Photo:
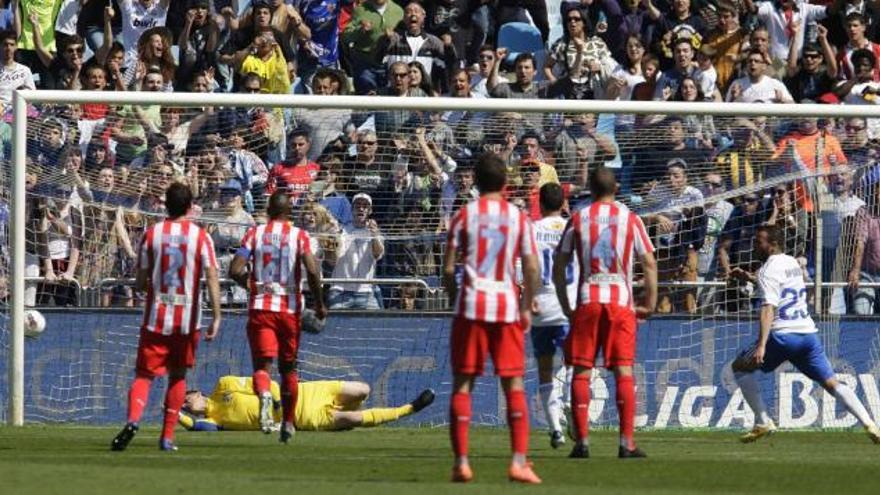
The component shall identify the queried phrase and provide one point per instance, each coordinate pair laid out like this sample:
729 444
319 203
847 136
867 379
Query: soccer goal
86 174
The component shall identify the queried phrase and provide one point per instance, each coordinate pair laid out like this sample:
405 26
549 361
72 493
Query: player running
787 333
172 257
276 253
488 235
550 326
605 236
322 406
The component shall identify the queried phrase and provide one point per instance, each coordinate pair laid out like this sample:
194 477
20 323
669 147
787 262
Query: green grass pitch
55 459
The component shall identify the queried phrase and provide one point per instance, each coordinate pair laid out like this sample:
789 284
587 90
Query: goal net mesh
702 184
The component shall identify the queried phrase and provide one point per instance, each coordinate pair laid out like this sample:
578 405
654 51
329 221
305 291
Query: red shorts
157 353
270 333
607 326
470 340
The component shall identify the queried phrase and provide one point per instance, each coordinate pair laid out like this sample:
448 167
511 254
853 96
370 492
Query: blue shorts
803 350
545 340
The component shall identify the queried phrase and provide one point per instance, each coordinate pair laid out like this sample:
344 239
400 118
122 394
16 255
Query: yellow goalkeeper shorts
316 404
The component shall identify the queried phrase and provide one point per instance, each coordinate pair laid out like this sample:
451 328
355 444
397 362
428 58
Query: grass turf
401 460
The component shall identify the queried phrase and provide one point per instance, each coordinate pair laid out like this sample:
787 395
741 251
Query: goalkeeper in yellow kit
322 406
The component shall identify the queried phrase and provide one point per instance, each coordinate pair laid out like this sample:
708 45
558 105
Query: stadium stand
96 172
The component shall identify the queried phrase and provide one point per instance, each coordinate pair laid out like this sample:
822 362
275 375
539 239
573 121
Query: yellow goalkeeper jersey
233 405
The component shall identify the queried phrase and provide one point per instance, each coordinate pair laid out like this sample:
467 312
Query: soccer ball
310 322
34 323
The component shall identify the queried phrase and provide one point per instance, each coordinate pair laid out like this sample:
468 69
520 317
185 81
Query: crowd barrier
80 368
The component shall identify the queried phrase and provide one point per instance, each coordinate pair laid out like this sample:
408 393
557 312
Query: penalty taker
787 333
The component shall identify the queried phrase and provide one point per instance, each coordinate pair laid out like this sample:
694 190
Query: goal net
702 182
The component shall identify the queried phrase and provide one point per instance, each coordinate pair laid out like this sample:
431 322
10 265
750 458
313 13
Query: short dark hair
73 39
551 196
490 173
671 119
278 205
812 47
856 16
299 132
328 73
524 56
530 135
681 40
7 34
178 199
602 182
863 53
261 4
775 233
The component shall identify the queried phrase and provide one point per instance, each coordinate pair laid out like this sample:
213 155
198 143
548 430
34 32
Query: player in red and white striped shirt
491 316
605 236
276 254
173 255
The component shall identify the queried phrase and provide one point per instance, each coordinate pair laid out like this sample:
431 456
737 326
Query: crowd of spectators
376 188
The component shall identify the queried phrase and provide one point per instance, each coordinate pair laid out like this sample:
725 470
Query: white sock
556 405
852 403
462 461
519 459
752 393
552 409
565 376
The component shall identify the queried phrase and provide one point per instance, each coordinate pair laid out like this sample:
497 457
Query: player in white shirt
549 324
787 333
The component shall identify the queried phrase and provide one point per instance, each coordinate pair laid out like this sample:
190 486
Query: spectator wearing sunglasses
809 80
63 68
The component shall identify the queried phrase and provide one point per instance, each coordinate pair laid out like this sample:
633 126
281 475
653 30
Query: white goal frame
21 99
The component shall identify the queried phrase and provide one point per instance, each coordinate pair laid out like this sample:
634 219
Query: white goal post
23 98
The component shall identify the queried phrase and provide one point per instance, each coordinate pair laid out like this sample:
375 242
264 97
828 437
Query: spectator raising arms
371 23
360 247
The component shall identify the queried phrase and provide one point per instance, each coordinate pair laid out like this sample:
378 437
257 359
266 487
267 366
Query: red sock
580 405
289 394
137 397
261 382
174 398
459 422
626 408
518 421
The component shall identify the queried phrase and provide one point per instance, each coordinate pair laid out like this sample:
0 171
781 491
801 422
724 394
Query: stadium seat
520 37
